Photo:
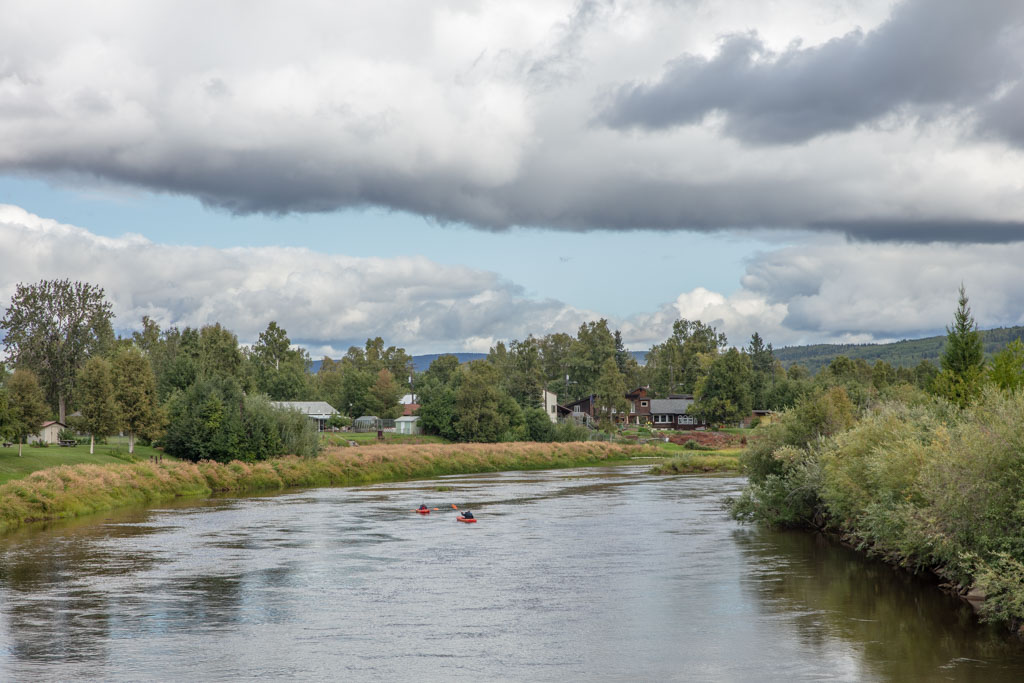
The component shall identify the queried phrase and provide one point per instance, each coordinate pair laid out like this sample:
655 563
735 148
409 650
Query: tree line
202 394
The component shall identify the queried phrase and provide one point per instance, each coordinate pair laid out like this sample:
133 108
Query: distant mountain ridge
905 353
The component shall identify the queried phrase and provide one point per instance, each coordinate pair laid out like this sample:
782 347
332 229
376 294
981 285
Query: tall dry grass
75 490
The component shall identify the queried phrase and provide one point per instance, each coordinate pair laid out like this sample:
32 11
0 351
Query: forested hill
906 353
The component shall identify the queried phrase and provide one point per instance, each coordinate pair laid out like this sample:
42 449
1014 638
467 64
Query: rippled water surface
588 574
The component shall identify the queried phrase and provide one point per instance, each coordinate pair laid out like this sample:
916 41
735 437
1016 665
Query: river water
597 574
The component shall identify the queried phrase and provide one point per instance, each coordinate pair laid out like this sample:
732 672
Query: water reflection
904 627
596 574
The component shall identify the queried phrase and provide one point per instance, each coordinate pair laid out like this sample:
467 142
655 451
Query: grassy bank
34 459
70 491
690 463
917 483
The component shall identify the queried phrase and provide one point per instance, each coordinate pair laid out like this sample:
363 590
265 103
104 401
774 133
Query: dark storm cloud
954 231
482 112
929 54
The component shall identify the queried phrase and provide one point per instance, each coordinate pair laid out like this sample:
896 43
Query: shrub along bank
695 464
70 491
916 482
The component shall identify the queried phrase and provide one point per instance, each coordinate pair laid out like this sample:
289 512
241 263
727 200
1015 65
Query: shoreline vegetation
700 464
919 483
69 491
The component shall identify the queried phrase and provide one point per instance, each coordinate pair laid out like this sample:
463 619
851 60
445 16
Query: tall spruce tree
962 359
963 354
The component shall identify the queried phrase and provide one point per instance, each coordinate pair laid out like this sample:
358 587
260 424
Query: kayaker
467 515
424 507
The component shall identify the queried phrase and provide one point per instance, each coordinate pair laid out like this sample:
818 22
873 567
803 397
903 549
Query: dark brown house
639 408
673 413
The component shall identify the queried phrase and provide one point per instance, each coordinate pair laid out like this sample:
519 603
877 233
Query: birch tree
96 400
135 394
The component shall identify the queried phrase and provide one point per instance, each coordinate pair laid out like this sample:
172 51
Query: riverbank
34 459
72 491
917 483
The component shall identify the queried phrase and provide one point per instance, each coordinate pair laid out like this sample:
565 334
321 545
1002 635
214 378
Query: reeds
74 490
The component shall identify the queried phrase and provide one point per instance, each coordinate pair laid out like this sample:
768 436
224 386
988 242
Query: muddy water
590 574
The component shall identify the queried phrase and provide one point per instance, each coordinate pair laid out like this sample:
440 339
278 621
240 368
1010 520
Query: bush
570 431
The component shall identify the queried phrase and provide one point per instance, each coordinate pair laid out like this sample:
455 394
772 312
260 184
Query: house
318 411
639 407
549 401
408 424
50 432
583 409
673 412
410 404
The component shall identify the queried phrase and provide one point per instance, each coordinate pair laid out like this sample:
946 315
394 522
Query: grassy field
33 459
370 439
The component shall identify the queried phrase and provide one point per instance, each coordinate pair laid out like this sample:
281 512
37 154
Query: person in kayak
424 507
467 515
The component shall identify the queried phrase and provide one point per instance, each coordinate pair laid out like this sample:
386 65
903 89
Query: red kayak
423 512
463 519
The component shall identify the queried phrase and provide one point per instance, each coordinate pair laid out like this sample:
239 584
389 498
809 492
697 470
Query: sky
449 174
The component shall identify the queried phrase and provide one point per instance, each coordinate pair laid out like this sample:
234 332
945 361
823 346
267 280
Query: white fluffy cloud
490 111
326 302
829 291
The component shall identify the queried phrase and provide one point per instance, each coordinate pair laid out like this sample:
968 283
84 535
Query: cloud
930 54
486 112
823 291
326 302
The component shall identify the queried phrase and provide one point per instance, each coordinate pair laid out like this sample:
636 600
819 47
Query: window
662 419
643 404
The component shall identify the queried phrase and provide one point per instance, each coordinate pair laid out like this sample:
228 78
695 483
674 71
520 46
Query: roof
53 422
670 406
408 418
306 407
367 418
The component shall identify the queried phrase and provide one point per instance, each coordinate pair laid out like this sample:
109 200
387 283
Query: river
597 574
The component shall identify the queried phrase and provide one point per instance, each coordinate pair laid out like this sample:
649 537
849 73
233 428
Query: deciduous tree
26 408
135 394
724 394
96 400
51 328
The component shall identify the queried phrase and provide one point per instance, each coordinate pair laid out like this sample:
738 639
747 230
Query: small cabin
408 424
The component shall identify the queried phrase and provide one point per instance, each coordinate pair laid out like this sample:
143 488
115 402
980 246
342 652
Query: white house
318 411
549 401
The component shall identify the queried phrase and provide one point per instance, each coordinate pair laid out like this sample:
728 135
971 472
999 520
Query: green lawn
370 438
32 459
